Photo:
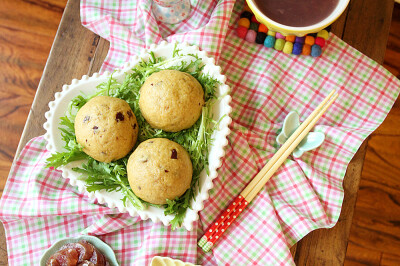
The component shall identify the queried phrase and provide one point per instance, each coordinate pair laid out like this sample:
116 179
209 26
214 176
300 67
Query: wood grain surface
27 31
375 231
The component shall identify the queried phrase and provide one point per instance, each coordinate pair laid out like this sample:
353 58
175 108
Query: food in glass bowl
81 253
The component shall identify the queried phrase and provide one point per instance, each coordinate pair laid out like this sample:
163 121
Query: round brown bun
159 169
107 128
171 100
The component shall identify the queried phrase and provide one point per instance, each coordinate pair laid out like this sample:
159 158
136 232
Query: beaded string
253 31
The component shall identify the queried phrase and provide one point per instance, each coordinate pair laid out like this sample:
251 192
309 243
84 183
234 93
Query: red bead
320 41
253 19
241 32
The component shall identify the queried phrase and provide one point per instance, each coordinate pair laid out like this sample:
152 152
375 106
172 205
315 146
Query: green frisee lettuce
113 176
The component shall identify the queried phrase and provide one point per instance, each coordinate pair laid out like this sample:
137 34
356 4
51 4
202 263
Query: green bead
253 26
279 43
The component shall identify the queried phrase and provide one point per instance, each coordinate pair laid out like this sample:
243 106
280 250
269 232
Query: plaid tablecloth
38 206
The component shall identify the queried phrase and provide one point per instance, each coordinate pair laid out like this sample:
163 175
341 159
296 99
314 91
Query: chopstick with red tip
219 226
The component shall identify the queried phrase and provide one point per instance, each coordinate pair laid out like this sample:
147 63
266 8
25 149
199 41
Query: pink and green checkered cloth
39 206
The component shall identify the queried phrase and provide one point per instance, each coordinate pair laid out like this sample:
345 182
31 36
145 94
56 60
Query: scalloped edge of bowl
218 144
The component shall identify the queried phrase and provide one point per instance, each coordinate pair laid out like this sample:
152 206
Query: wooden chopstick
219 226
285 146
260 181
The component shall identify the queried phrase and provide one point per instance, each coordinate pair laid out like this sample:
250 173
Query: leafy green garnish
196 140
74 149
109 176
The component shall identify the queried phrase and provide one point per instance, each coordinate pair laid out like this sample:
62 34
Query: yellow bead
279 43
271 33
288 48
323 34
244 22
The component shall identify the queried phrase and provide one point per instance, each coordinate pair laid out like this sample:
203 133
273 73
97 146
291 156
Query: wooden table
77 51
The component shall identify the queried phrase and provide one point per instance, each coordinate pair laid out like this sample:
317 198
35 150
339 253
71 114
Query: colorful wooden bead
279 36
260 38
323 34
310 40
316 50
320 41
306 49
262 28
288 48
246 14
290 38
297 47
269 41
253 31
279 43
241 32
253 26
300 39
251 36
244 22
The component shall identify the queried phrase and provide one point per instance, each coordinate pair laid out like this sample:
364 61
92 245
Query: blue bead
269 41
316 50
297 48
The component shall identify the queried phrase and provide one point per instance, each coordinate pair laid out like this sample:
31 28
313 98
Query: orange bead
306 49
309 40
244 22
290 38
262 28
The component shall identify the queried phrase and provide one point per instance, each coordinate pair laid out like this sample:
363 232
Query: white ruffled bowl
87 85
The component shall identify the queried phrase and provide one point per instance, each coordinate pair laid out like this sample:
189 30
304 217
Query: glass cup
171 11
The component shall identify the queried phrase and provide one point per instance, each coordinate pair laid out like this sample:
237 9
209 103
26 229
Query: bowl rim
334 15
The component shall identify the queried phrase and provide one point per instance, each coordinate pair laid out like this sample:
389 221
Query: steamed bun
107 128
159 169
171 100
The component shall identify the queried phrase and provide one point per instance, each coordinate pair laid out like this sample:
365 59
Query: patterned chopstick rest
252 31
